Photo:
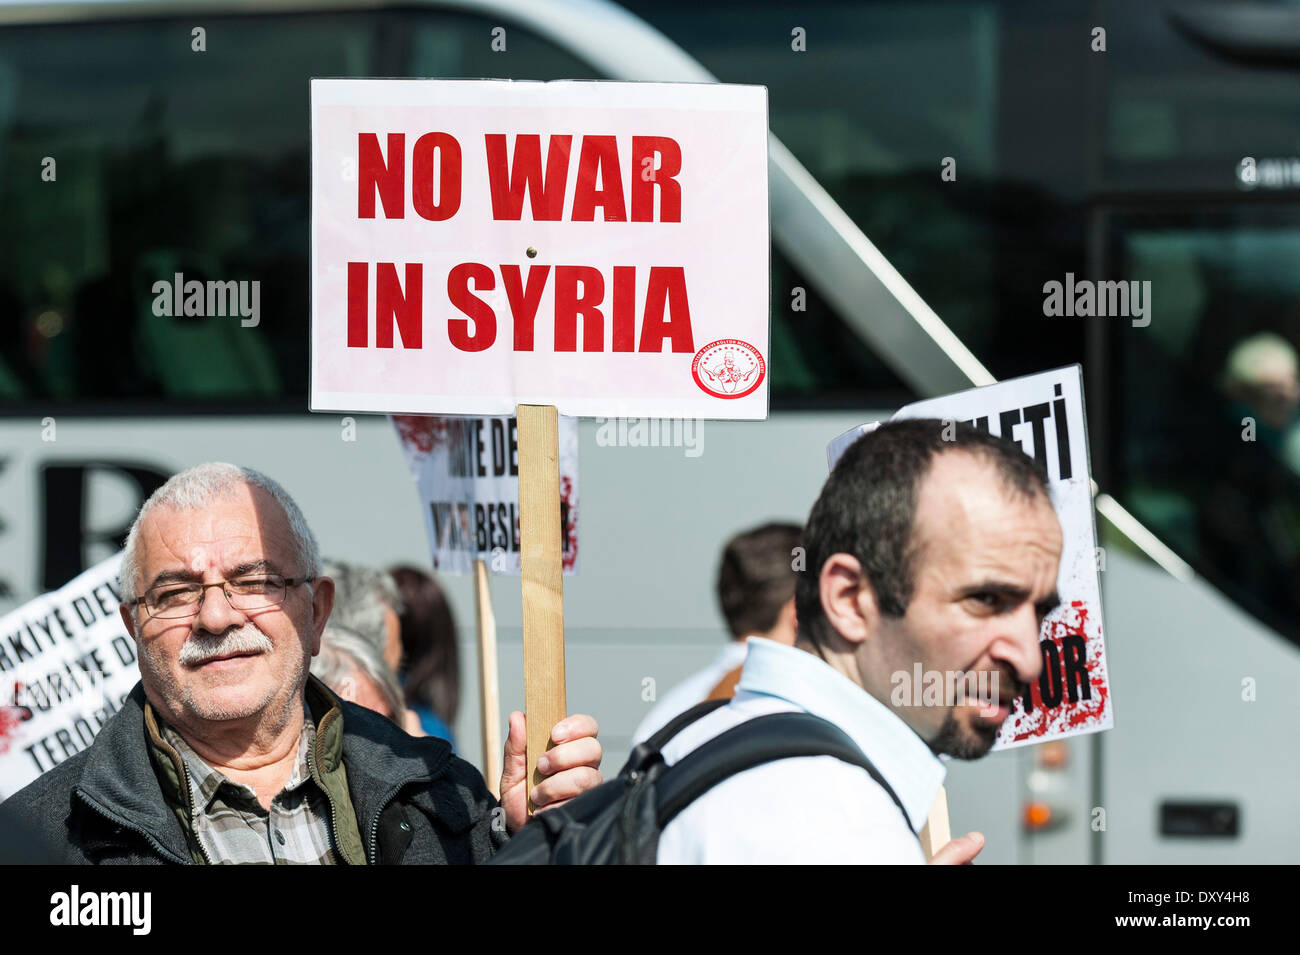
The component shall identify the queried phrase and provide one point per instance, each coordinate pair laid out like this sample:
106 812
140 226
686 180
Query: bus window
1200 408
1205 401
128 155
817 360
180 161
194 163
896 108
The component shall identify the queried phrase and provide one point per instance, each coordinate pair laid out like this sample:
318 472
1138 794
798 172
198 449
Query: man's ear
848 599
322 602
128 618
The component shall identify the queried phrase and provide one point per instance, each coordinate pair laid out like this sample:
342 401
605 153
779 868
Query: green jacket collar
327 771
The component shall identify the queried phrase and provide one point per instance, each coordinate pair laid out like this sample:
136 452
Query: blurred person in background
431 661
1250 519
756 580
1262 378
366 602
350 665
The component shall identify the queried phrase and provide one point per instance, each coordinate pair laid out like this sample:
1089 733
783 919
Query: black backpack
619 823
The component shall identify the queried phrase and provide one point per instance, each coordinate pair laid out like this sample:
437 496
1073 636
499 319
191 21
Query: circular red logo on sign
728 368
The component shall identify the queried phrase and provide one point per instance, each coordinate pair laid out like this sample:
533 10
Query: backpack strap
763 739
683 720
646 753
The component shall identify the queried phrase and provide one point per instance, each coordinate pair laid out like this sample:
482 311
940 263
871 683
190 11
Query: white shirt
812 809
690 691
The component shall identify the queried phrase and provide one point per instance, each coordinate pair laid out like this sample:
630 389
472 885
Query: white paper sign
600 247
67 663
1045 414
467 473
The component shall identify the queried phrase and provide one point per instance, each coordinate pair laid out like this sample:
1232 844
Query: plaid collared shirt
232 827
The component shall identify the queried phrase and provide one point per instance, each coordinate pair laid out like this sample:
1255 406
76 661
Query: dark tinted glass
164 160
1123 163
1204 421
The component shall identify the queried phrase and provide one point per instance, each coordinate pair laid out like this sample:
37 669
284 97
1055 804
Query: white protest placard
1044 413
599 247
467 473
67 663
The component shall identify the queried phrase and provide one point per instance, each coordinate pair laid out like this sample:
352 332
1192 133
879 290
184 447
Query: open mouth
995 710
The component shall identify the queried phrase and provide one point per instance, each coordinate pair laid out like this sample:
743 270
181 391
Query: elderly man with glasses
228 751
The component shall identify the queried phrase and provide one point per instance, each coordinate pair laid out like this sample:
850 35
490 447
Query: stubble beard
183 696
963 742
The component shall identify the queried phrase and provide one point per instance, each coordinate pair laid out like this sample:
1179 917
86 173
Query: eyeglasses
250 592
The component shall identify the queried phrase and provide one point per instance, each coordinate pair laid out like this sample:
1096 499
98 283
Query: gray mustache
204 647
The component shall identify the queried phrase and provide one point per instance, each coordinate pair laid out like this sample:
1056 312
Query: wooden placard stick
541 573
489 686
935 834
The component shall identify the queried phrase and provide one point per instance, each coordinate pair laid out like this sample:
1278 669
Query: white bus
934 163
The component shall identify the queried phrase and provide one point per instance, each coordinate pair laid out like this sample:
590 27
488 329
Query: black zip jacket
415 801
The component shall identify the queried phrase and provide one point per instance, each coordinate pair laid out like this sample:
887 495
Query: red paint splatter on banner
11 717
421 433
571 531
1066 716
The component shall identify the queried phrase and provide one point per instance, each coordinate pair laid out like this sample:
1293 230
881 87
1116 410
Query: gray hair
344 653
1250 359
196 488
361 594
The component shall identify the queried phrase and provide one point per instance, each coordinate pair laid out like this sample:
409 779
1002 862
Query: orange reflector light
1038 815
1053 755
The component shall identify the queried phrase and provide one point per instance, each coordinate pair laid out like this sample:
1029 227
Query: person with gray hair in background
366 602
350 665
